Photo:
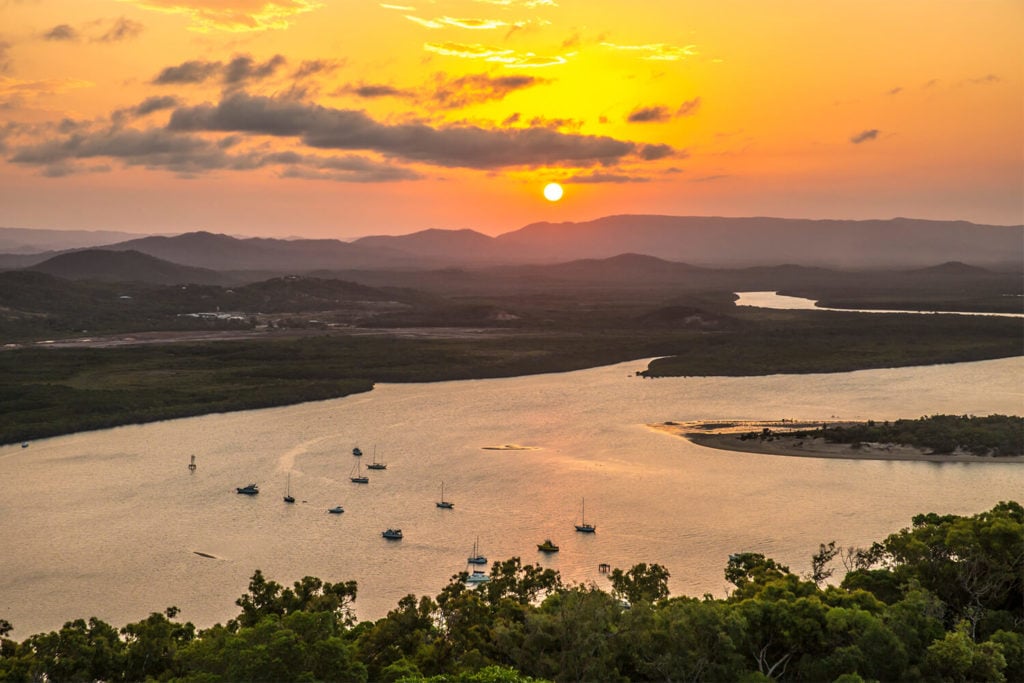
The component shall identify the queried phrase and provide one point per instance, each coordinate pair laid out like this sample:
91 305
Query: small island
938 438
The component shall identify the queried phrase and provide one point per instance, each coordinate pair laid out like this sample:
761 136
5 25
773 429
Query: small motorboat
250 490
336 510
547 546
392 534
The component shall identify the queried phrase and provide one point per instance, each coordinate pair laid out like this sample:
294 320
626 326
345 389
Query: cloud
477 88
400 8
5 60
649 115
655 152
233 15
657 51
529 4
123 29
371 90
61 32
188 155
987 79
152 104
452 146
472 24
239 71
426 23
243 68
689 107
192 71
13 86
598 177
311 67
864 136
508 57
894 91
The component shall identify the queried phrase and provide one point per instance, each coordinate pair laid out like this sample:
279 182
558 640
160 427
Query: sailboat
288 497
583 527
446 504
358 476
476 557
376 465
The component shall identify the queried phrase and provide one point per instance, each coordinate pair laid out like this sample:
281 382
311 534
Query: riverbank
730 436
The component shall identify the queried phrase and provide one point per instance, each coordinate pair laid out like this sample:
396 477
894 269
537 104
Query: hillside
124 266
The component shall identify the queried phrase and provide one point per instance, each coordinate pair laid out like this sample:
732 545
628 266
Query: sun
552 192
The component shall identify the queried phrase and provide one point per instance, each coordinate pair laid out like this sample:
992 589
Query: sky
343 118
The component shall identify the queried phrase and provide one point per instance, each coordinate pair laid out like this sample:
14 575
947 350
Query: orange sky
340 118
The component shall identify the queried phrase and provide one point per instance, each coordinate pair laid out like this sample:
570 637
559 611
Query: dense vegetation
942 600
298 339
991 435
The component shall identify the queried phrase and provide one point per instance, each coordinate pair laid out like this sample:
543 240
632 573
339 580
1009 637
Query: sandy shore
725 435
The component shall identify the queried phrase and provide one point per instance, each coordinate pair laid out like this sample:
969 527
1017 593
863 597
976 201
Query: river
797 303
109 523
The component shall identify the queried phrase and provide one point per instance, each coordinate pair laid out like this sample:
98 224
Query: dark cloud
311 67
123 29
511 119
709 178
864 136
61 32
649 115
689 107
243 68
193 71
240 70
152 104
5 60
454 146
655 152
894 91
477 88
555 124
190 155
605 178
372 90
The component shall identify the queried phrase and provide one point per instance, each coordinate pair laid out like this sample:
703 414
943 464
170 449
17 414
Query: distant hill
444 246
221 252
900 242
124 266
35 240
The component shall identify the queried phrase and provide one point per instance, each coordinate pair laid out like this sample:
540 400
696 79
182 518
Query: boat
288 497
356 451
392 534
359 477
376 465
476 557
478 576
250 490
446 504
336 510
547 546
583 527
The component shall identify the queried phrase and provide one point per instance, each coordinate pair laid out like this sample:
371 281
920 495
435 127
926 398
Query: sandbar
725 435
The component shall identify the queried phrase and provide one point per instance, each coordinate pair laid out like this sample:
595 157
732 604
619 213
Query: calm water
789 303
108 523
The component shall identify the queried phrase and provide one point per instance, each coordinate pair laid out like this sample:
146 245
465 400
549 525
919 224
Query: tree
642 583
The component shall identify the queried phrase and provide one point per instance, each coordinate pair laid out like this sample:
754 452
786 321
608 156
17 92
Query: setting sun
552 192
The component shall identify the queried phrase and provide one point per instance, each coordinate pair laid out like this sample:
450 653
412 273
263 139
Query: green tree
641 583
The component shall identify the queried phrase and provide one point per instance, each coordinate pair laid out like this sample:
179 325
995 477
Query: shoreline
725 435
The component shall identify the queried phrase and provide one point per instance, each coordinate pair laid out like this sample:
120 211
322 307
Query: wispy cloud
599 177
122 29
689 107
233 15
373 90
472 24
13 86
865 136
529 4
508 57
5 59
476 88
657 51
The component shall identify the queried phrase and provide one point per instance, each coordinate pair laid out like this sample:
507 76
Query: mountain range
702 241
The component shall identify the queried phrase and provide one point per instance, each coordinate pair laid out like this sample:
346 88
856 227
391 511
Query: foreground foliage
942 600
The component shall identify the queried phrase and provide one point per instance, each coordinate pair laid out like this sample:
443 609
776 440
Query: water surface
109 523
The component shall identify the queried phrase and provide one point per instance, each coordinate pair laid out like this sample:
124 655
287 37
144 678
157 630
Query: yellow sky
344 118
